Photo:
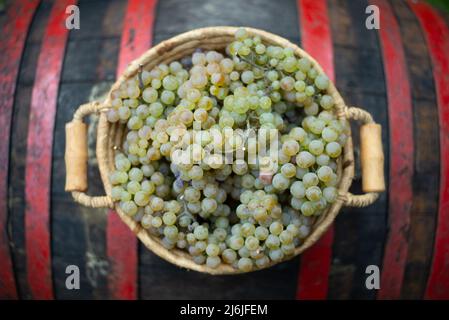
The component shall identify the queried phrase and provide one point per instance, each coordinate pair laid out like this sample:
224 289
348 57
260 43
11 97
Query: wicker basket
110 137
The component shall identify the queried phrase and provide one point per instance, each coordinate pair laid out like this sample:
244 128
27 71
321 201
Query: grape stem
251 62
139 75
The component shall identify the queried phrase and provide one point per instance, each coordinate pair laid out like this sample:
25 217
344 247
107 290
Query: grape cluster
245 213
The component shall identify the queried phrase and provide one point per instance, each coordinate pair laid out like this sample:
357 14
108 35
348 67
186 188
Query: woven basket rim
110 137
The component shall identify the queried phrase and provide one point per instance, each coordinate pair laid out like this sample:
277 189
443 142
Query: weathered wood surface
78 235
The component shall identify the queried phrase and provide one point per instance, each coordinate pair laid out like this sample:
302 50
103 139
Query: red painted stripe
313 278
12 43
121 242
137 35
400 114
39 152
437 36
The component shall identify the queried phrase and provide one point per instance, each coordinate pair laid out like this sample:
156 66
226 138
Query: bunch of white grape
246 213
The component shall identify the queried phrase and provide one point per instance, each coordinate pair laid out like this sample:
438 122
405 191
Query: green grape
135 174
147 187
170 83
266 117
262 262
304 64
276 228
272 242
236 242
290 148
276 255
287 83
326 116
201 233
330 194
213 262
241 34
156 109
322 82
313 193
307 208
149 95
157 178
244 252
310 179
116 193
124 113
316 147
316 126
169 218
133 187
247 77
288 249
156 203
296 203
141 198
126 196
129 208
229 256
325 173
252 243
333 149
248 181
167 97
113 115
265 103
220 233
245 264
309 91
119 177
261 233
290 64
192 195
329 134
288 170
171 232
247 229
212 250
312 109
312 73
280 182
146 221
323 160
326 102
133 91
293 229
298 134
304 231
305 159
297 189
184 221
208 205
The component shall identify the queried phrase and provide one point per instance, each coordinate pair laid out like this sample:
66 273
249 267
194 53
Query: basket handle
76 158
372 159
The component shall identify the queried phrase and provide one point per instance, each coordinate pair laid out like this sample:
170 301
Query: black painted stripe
360 233
159 279
19 133
427 155
78 233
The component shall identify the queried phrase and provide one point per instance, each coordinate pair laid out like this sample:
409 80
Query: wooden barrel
398 73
